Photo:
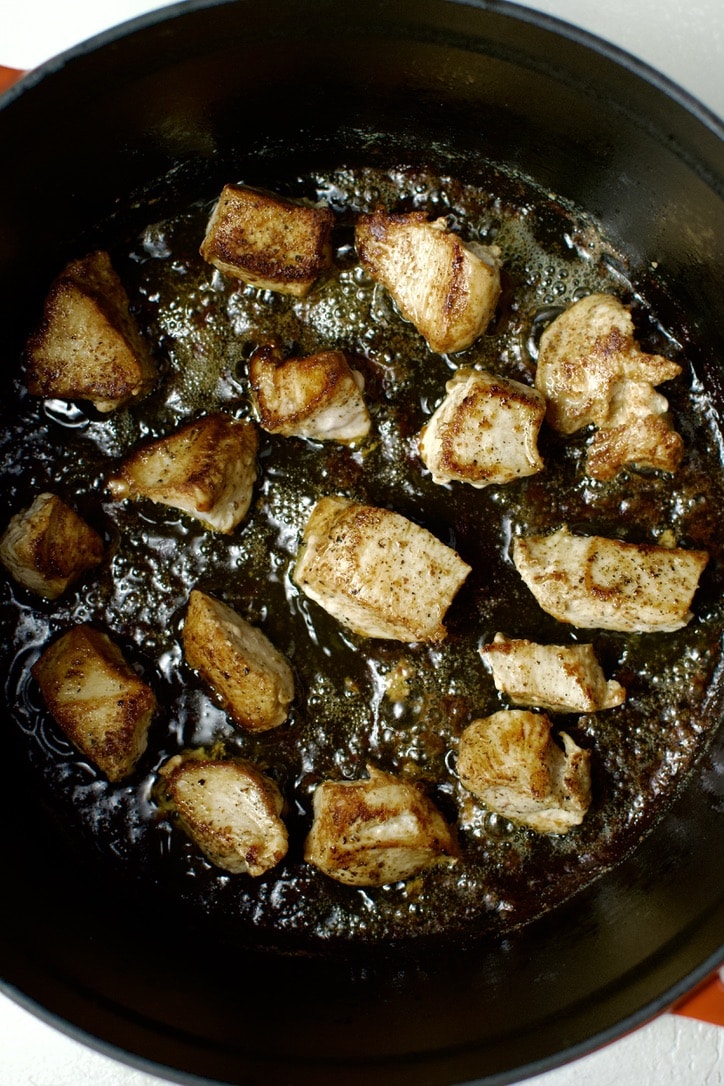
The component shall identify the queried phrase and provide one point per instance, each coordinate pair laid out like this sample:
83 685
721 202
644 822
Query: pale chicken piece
447 289
591 370
230 809
238 661
376 572
207 469
593 581
97 699
512 763
48 547
559 678
485 431
267 241
88 346
318 396
375 831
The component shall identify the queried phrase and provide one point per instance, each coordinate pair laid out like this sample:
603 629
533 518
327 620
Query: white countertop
683 39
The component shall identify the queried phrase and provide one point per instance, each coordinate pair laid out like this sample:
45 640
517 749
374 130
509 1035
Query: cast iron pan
176 104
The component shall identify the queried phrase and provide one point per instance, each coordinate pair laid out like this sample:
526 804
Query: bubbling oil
360 702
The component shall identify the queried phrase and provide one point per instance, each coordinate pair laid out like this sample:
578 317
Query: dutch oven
171 106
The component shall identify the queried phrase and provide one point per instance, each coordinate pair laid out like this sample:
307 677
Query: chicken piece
267 241
512 763
230 809
559 678
644 441
485 431
592 581
376 572
207 469
47 547
376 831
318 397
88 346
252 679
97 699
448 290
591 370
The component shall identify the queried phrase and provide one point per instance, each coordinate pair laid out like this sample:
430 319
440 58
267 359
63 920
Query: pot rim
542 20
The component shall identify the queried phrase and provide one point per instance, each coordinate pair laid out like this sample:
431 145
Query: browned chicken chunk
485 431
560 678
239 663
267 241
376 831
448 290
376 572
47 547
591 370
230 809
97 699
592 581
88 346
511 762
207 469
318 396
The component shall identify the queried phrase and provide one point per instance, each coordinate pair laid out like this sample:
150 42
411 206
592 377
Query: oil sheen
400 707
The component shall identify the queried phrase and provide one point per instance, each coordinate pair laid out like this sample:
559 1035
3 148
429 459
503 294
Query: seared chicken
376 831
207 469
376 572
252 679
97 699
448 290
511 762
645 440
560 678
47 547
591 370
88 346
485 431
318 396
267 241
592 581
229 809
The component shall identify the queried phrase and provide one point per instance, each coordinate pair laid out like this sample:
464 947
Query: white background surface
683 39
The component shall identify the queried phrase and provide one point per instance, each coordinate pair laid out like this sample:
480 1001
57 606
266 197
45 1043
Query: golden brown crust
448 290
206 468
594 581
558 678
317 395
591 370
47 547
268 241
87 346
485 431
648 442
237 661
230 809
373 831
96 698
378 573
510 761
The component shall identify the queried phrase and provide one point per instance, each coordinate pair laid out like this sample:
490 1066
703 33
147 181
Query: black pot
176 104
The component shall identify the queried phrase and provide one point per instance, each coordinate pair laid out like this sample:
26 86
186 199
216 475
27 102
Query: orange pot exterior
706 1003
8 76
